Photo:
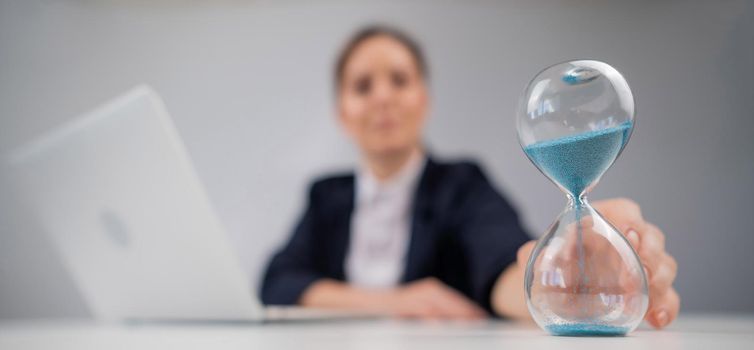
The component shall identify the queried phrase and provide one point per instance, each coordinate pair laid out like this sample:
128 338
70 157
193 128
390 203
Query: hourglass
583 277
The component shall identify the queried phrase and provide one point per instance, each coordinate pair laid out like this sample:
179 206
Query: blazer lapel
341 228
421 247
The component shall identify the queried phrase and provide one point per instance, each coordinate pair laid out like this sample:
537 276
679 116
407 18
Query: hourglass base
586 329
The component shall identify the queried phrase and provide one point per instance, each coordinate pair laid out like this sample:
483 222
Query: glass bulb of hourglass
583 277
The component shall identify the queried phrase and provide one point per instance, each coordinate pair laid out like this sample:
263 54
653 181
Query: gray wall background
248 84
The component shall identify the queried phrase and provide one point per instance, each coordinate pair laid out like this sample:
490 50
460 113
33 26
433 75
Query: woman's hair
373 31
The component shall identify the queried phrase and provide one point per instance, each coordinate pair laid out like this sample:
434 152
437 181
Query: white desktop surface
689 332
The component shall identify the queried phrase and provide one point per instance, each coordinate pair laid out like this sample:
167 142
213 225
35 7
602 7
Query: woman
411 236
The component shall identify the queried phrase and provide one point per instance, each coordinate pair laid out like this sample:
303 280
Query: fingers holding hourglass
586 270
649 243
664 308
582 275
664 301
660 268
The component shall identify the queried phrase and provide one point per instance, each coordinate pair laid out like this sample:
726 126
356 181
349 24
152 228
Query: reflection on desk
688 332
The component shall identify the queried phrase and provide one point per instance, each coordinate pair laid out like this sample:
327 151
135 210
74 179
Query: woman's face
382 99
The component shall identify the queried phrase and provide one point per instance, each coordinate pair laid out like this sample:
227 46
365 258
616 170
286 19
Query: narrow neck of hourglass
577 201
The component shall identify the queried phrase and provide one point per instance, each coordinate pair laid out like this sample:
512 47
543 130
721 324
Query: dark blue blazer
463 232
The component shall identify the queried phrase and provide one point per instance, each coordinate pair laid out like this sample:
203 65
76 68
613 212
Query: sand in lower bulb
586 329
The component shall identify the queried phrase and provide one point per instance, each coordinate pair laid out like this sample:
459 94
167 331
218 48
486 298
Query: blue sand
576 161
579 75
586 329
571 79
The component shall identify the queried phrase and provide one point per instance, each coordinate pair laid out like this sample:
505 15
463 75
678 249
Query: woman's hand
649 243
427 298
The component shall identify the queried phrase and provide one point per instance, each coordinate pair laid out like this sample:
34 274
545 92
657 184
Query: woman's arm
508 296
292 269
333 294
426 298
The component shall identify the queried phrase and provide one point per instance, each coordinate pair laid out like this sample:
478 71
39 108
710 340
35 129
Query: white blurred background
249 85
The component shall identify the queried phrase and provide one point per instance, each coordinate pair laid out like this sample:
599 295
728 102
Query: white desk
689 332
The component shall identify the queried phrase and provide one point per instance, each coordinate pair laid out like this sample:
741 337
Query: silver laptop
117 193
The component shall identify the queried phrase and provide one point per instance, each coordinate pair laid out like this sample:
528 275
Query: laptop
117 193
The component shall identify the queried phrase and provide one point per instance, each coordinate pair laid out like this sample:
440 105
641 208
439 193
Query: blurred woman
408 234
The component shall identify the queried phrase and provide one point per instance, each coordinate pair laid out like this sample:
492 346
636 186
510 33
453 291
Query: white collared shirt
381 226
